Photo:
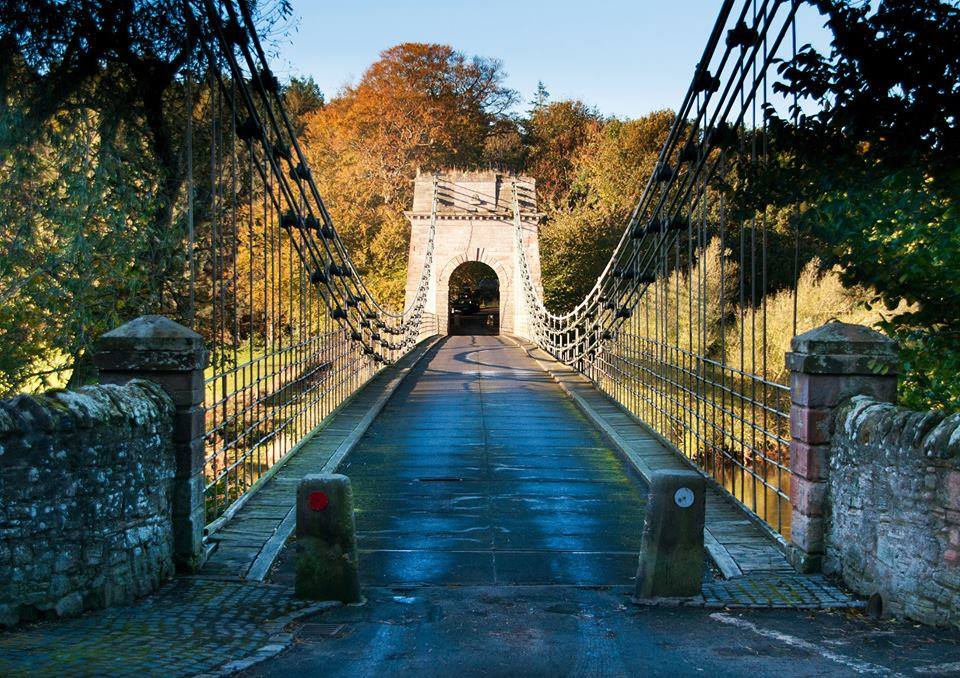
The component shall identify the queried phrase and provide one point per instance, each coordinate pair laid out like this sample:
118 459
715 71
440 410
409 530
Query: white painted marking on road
851 663
939 669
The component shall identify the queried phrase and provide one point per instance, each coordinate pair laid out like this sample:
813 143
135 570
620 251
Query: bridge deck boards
736 543
466 434
242 547
481 472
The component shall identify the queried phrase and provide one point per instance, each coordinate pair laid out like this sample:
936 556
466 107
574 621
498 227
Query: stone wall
85 517
894 504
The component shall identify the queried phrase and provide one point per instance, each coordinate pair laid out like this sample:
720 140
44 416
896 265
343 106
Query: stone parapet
895 507
85 516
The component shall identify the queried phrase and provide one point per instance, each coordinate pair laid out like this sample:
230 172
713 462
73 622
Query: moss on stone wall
895 507
84 498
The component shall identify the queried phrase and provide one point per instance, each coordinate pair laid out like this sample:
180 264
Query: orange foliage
420 106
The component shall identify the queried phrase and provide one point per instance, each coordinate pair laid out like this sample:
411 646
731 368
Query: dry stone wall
85 517
894 499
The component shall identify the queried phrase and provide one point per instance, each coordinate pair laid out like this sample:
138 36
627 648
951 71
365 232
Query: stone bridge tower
474 223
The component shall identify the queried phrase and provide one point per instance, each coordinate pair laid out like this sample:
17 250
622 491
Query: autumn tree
555 133
600 183
419 106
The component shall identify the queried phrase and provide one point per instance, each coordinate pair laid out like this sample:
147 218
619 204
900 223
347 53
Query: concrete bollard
671 550
326 547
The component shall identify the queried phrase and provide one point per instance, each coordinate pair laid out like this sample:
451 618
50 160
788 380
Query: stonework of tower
474 223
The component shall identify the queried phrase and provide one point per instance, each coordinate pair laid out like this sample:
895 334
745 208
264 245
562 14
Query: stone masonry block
840 364
186 494
150 343
188 425
811 462
839 339
828 390
807 532
186 388
182 387
808 497
812 426
189 457
188 540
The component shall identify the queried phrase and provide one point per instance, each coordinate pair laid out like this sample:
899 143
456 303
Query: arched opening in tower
474 303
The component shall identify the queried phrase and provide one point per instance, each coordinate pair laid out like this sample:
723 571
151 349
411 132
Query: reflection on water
747 487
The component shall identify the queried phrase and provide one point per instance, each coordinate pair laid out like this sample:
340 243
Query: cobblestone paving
777 590
190 626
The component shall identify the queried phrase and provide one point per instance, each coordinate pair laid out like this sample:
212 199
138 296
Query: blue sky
625 58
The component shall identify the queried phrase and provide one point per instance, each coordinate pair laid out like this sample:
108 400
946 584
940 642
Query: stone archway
505 292
473 302
474 222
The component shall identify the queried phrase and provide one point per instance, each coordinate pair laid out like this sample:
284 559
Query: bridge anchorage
494 449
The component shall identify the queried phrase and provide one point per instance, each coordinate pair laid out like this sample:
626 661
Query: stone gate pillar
156 348
827 365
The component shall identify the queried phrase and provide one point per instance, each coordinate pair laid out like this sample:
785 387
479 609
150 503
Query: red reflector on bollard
317 501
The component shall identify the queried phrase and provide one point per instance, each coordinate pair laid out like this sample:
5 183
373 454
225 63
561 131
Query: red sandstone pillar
827 365
156 348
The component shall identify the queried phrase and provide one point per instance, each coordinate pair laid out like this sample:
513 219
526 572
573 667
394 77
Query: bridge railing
292 326
676 327
735 425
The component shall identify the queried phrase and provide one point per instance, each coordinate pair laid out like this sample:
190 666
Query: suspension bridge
644 355
495 443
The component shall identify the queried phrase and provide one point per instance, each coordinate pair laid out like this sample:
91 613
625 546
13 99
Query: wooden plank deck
247 545
734 540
